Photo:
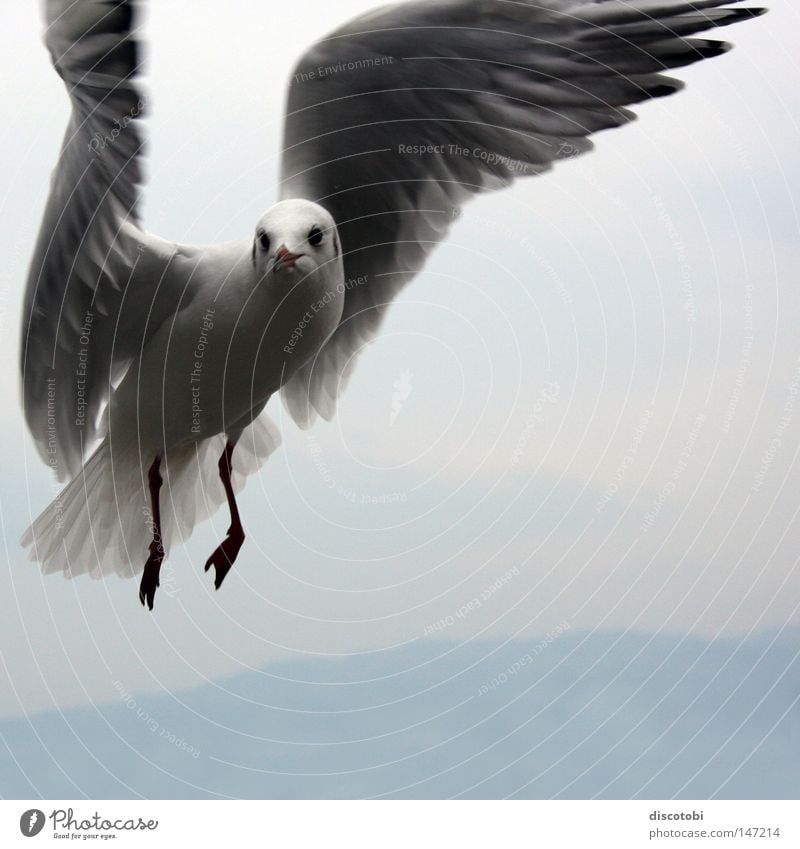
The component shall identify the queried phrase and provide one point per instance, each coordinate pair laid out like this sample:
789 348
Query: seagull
147 364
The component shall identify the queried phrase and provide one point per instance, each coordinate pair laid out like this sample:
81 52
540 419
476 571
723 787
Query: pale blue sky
653 283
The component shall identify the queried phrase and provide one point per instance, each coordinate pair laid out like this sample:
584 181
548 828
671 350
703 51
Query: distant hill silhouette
608 715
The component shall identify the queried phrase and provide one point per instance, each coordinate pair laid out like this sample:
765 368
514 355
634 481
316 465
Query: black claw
150 582
224 556
222 571
146 597
147 594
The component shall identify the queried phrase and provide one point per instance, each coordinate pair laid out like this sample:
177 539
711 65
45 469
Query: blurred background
548 547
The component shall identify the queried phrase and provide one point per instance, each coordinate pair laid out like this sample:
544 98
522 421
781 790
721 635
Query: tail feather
101 522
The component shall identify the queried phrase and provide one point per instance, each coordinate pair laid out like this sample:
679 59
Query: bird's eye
315 237
263 240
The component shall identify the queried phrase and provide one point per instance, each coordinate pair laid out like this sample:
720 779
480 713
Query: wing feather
395 120
95 275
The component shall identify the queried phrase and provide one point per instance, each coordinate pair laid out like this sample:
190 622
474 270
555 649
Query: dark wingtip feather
736 15
754 12
708 49
664 89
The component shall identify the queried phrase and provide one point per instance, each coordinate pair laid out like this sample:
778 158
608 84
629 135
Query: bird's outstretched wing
95 280
396 119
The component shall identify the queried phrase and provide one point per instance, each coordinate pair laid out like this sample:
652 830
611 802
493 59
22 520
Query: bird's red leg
147 589
225 553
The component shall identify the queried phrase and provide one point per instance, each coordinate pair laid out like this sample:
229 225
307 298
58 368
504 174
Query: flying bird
147 364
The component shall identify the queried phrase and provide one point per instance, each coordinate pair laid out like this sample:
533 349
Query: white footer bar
402 824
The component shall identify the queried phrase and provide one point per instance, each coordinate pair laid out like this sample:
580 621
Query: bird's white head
295 239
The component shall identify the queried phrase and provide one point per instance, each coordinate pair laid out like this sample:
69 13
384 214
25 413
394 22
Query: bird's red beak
284 258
